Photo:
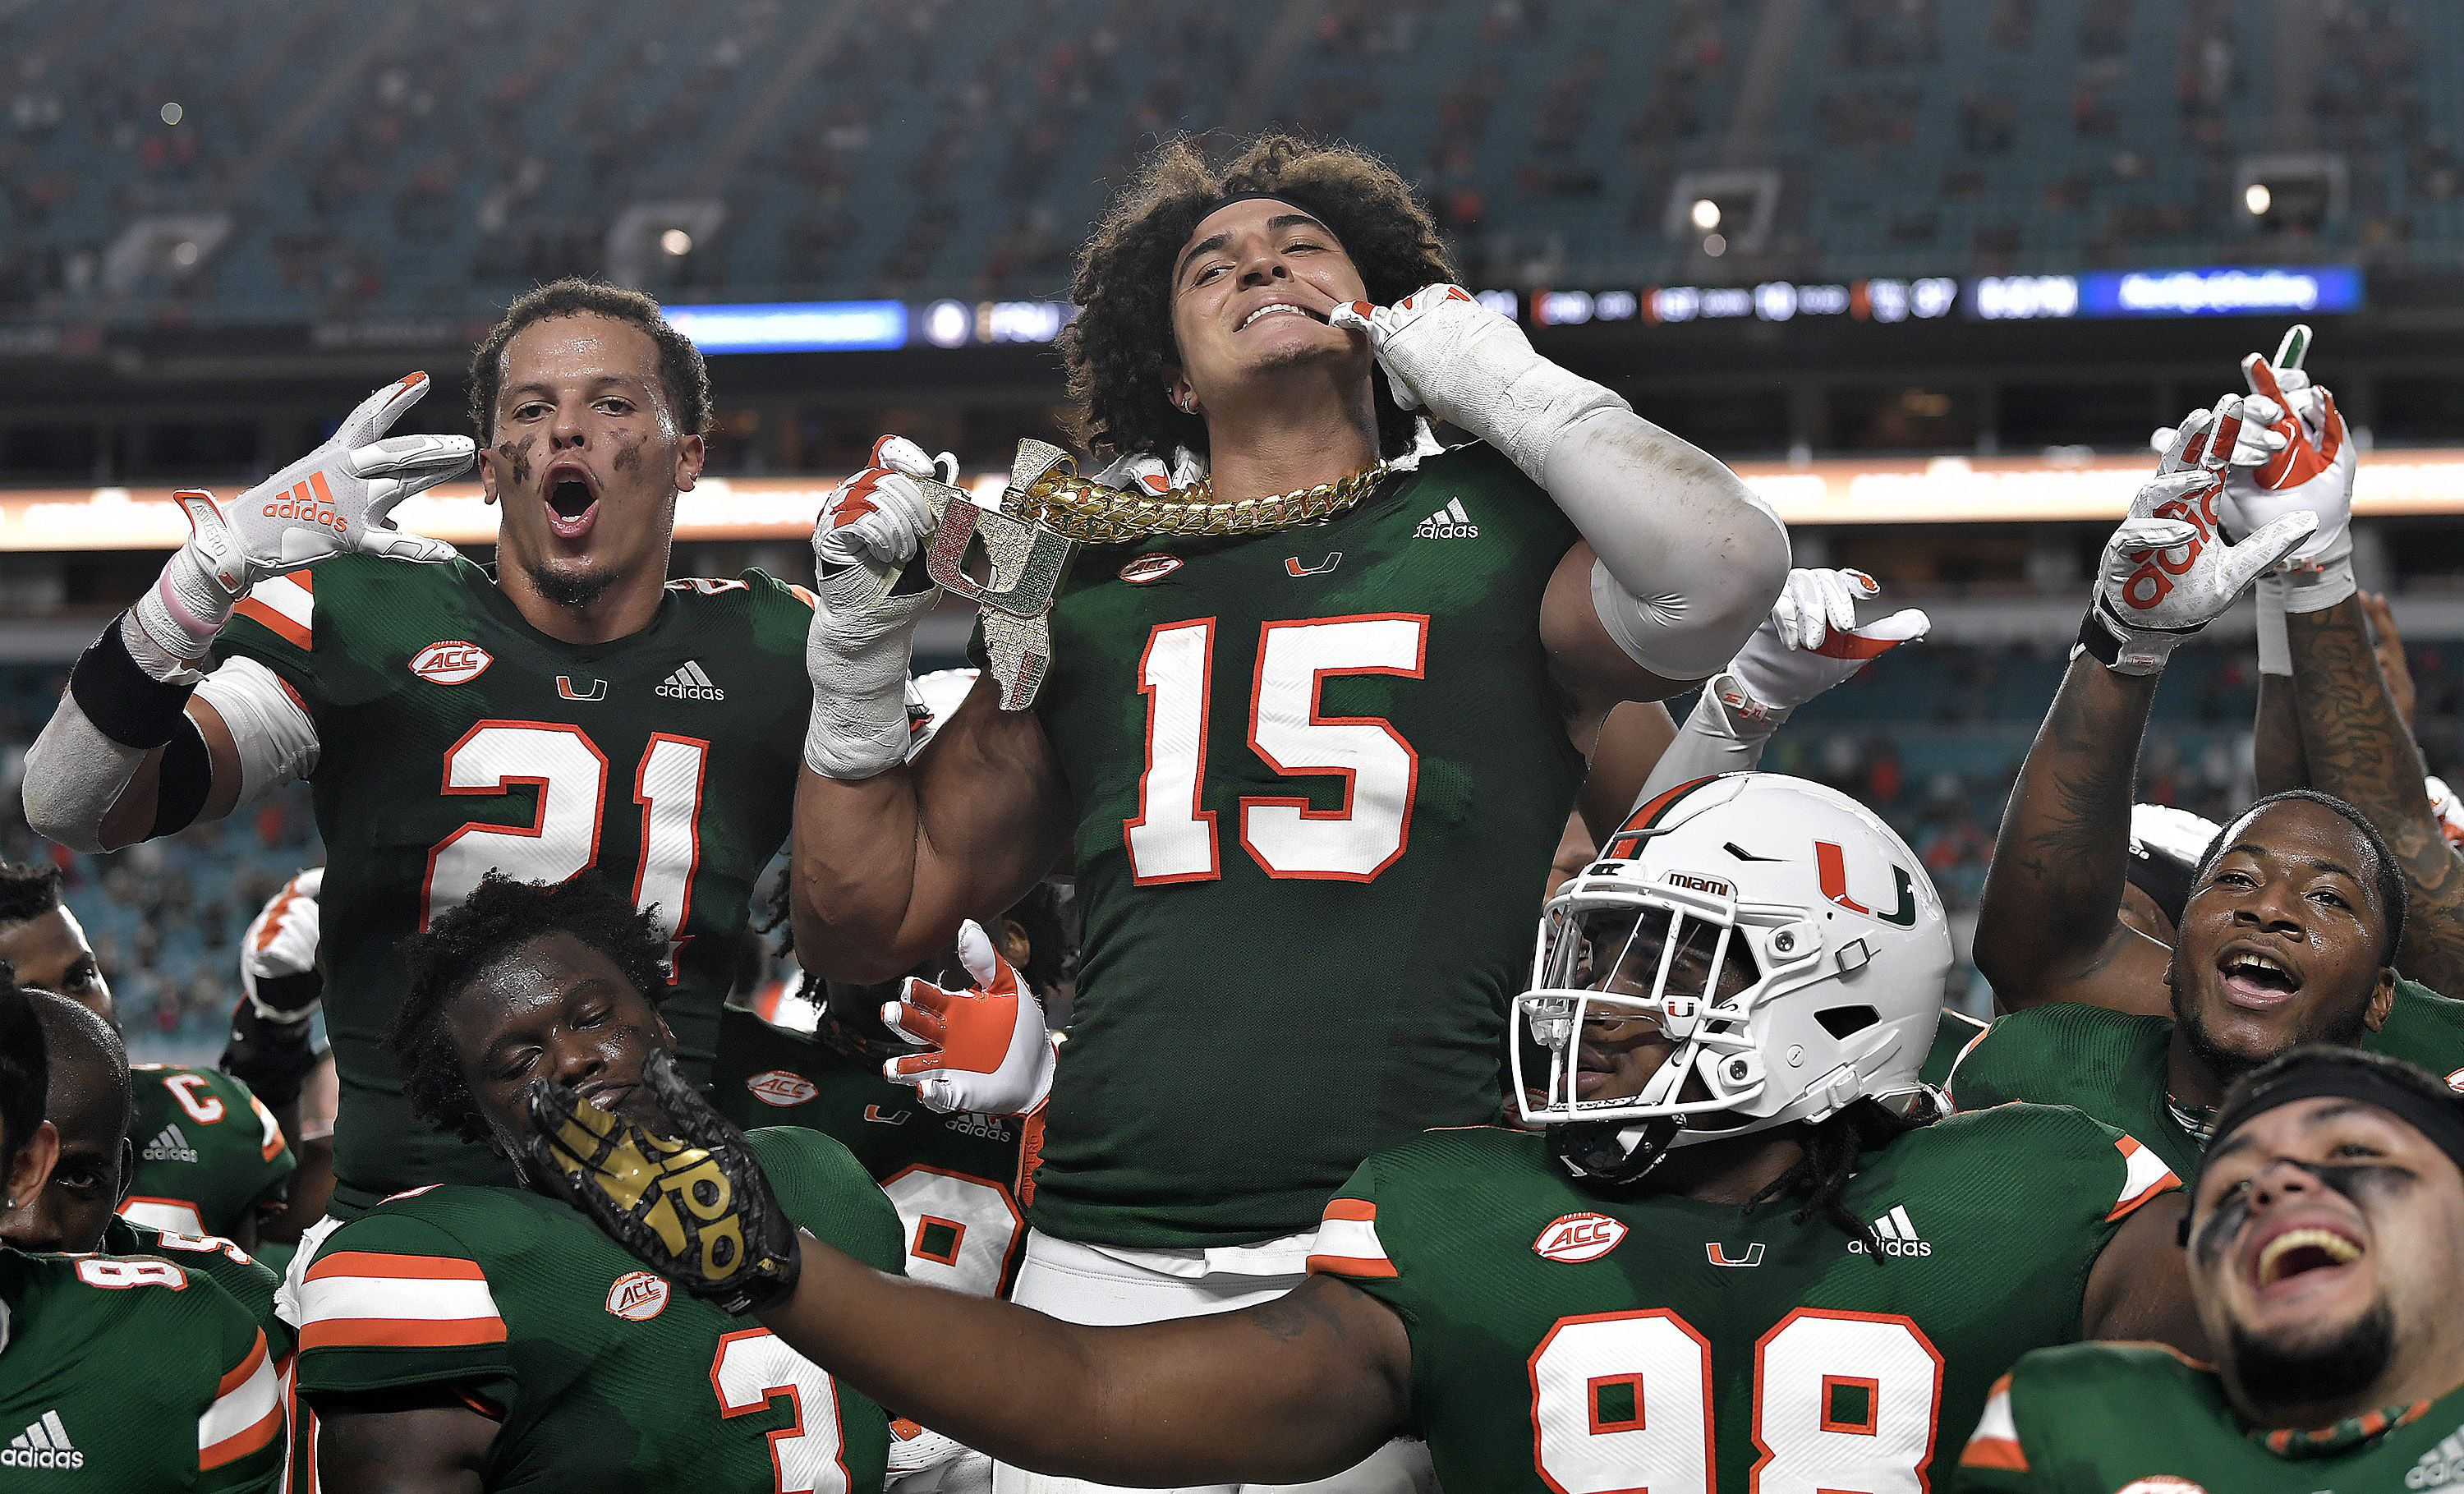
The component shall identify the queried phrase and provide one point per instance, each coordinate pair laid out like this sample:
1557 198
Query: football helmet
1772 942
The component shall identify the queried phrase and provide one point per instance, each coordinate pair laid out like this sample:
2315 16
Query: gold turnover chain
1079 509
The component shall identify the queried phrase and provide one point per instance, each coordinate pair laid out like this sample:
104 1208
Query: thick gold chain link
1079 509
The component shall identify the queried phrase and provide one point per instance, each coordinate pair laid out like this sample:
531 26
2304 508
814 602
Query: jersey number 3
1173 839
1844 1403
561 841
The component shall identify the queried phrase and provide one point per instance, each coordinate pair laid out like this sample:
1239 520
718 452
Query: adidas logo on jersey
2442 1467
1896 1236
43 1444
1450 522
689 683
169 1146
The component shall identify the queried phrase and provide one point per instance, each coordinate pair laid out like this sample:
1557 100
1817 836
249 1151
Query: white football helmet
1777 932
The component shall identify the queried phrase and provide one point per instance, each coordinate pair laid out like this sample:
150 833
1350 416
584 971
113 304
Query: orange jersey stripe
418 1268
273 621
402 1334
1351 1209
1351 1265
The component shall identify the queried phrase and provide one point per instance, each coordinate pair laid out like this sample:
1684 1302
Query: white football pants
1082 1283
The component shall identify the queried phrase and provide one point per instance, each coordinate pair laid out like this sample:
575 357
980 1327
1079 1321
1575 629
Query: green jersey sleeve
394 1300
250 1280
829 1194
239 1433
276 625
2051 1424
2426 1028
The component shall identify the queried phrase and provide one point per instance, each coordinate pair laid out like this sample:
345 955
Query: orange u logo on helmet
1831 864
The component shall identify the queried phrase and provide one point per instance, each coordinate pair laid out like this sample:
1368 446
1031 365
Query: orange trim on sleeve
1351 1209
273 621
402 1334
238 1374
1351 1265
418 1268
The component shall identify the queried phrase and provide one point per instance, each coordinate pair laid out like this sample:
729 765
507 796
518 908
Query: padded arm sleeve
1713 740
275 736
1690 557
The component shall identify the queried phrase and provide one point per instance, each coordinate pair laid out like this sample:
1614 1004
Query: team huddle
1172 1092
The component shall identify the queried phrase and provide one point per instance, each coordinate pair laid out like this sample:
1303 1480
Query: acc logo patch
1572 1238
781 1089
451 662
638 1296
1150 567
2162 1483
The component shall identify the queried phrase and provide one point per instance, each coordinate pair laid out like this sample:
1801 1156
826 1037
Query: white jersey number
960 1231
751 1366
1845 1402
570 774
1172 840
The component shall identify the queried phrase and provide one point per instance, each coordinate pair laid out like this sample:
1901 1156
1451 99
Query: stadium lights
171 113
1706 214
676 243
1715 244
2257 199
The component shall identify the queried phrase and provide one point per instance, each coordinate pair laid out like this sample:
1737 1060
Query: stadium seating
961 146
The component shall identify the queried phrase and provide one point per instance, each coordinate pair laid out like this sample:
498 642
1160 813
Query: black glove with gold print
692 1206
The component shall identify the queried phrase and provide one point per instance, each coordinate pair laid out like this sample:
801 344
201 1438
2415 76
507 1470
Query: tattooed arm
1295 1388
2358 749
2048 929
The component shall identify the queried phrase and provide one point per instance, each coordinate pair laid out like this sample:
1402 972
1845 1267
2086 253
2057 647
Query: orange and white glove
870 593
986 1049
2294 457
2168 571
333 501
2450 810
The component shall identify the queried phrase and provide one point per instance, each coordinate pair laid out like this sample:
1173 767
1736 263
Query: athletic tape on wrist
123 702
2275 643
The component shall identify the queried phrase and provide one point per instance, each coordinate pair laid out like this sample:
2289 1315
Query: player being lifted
1302 743
2326 1251
470 1338
2295 916
574 709
1732 1258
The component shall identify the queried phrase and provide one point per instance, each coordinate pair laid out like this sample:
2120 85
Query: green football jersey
1953 1032
1565 1341
250 1280
131 1375
954 1178
2112 1065
208 1152
605 1376
2093 1418
454 740
1317 777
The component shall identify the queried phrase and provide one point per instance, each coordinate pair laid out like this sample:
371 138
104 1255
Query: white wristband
2275 644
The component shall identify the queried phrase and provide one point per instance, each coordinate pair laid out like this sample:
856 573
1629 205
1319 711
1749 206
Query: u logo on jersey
1831 864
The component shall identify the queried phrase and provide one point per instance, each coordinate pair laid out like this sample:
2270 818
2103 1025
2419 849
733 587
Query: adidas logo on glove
689 683
1450 522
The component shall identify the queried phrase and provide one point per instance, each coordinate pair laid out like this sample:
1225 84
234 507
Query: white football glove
924 1462
2289 461
2167 571
2450 810
279 946
333 501
986 1049
1470 366
1809 642
865 545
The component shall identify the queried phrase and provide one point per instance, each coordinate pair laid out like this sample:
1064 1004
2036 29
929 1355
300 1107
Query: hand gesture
2167 571
985 1049
1470 366
874 524
2293 458
1811 642
692 1206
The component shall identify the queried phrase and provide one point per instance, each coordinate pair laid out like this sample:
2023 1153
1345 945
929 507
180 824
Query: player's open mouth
2254 978
2300 1251
572 501
606 1096
1276 309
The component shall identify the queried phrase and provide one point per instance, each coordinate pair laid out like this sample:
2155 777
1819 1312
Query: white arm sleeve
74 775
1690 557
275 739
1714 740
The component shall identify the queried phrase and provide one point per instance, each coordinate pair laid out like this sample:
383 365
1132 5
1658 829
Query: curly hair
681 370
1835 1151
1119 349
28 890
498 917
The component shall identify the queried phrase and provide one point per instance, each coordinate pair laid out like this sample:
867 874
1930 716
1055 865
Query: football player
1305 740
467 1338
2291 925
574 709
116 1373
272 1051
1731 1258
209 1158
88 1102
2326 1252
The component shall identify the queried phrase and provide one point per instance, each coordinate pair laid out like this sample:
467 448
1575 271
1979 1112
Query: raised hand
336 500
876 520
985 1046
1811 642
692 1206
2168 571
871 589
2293 456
